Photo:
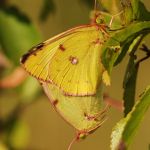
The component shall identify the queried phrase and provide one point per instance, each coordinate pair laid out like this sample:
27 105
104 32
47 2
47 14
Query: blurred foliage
18 138
48 7
89 3
14 26
18 34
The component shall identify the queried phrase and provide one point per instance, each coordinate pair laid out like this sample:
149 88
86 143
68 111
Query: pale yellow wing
71 60
84 113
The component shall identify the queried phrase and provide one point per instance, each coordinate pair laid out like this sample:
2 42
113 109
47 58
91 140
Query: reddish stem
14 79
113 102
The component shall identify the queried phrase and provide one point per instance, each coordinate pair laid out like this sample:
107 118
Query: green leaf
134 10
126 36
109 57
119 43
143 14
124 131
129 83
140 11
128 15
17 33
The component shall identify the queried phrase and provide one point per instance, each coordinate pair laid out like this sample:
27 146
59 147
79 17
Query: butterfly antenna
72 142
113 16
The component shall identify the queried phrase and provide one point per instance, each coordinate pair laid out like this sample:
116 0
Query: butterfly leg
100 117
83 133
100 114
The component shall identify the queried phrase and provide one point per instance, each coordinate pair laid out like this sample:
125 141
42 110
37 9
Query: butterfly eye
99 20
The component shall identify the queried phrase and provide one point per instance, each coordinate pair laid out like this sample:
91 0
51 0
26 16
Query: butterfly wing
71 60
83 113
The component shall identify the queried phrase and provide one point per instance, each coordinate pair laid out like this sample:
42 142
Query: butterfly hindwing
83 113
71 60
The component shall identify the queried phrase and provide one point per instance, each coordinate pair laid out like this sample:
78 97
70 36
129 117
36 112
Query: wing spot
73 60
32 51
55 102
39 46
24 58
89 117
98 41
61 47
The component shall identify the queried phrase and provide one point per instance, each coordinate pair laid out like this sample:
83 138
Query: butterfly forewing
71 61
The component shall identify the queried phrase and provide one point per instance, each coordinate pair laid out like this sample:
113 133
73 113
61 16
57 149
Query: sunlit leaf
124 131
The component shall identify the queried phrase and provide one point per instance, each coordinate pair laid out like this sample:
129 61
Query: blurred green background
39 127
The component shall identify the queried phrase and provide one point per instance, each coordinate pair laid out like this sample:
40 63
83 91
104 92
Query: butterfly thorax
97 20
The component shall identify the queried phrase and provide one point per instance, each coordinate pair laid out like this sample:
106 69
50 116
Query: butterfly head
97 18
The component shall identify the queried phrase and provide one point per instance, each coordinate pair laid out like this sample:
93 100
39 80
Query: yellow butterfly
70 68
70 60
